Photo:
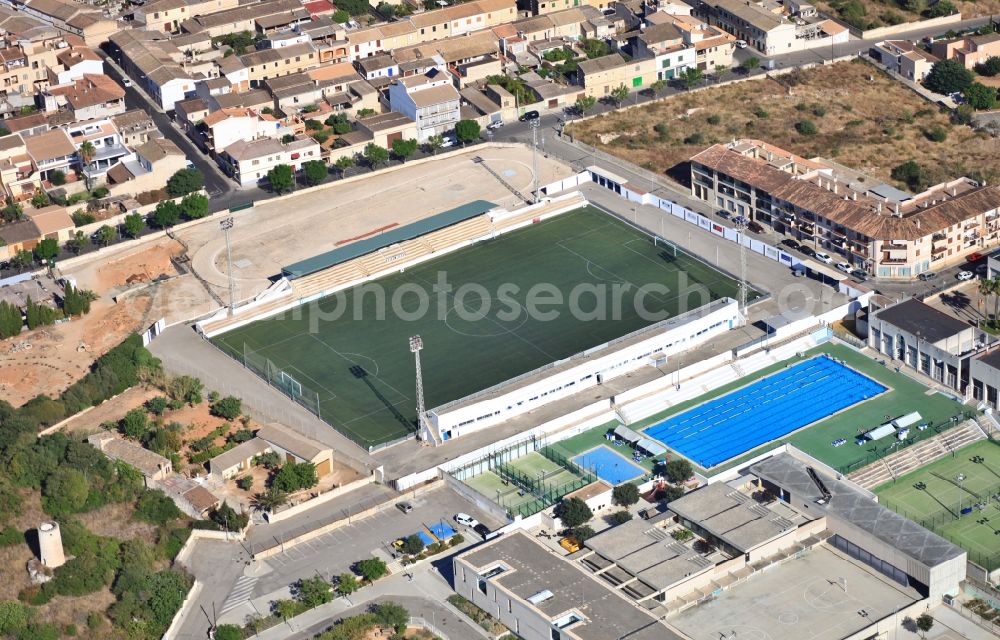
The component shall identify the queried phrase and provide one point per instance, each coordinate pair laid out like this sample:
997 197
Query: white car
824 257
741 44
843 266
126 82
965 275
495 125
466 520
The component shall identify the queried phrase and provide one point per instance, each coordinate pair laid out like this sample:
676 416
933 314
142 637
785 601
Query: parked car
741 44
807 251
496 124
982 269
529 115
722 213
405 507
965 275
791 244
466 520
974 256
126 81
755 227
843 266
823 257
481 529
448 141
928 275
859 275
798 271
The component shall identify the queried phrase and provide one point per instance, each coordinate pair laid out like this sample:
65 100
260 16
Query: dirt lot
863 119
881 13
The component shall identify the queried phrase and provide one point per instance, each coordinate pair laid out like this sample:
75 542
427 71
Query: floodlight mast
416 345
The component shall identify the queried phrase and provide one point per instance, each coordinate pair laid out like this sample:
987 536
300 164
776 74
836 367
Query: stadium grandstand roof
391 237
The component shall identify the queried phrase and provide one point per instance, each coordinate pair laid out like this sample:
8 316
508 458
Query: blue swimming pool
766 410
608 465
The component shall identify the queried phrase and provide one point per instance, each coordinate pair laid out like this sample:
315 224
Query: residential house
152 466
238 17
386 128
249 161
103 136
189 113
155 64
905 58
18 174
874 226
380 66
338 85
713 47
256 99
87 98
432 102
224 127
53 222
665 44
167 15
30 48
600 76
766 28
233 76
51 151
74 64
135 127
271 63
148 168
71 17
22 235
968 50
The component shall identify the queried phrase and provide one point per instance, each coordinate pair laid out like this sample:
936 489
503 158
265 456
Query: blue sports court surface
608 465
442 530
766 410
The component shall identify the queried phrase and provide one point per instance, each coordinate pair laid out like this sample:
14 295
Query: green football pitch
350 351
936 495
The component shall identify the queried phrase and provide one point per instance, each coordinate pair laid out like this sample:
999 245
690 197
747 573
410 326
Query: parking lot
334 552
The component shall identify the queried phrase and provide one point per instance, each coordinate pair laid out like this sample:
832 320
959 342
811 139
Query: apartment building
874 226
155 64
273 63
238 18
433 103
969 50
712 46
984 374
34 54
765 28
248 162
905 58
167 15
544 7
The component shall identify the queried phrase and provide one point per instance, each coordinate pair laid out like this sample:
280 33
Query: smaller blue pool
608 465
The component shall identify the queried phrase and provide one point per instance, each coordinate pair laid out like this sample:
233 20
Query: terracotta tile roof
216 117
51 219
90 90
49 145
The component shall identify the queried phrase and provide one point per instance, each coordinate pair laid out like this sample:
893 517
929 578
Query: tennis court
496 488
766 410
349 354
957 497
609 465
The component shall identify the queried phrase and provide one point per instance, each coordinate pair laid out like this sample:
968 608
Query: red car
974 256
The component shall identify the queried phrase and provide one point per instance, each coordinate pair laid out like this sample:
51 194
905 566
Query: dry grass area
863 120
881 13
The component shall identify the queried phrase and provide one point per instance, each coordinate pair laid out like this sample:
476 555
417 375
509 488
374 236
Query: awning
881 432
829 272
907 420
627 434
651 447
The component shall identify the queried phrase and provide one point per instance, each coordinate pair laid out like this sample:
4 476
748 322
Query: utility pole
533 124
227 224
416 344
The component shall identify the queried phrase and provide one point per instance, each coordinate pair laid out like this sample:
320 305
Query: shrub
156 405
620 517
314 125
990 67
806 127
245 483
761 113
694 138
229 408
100 192
625 495
936 134
372 569
819 110
155 507
294 476
228 632
714 119
412 545
8 538
58 178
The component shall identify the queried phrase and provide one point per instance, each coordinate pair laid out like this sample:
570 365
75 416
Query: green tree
344 163
166 214
657 87
948 76
135 424
912 174
925 622
184 182
375 155
194 206
314 171
268 501
434 143
625 495
134 223
585 104
412 545
620 517
228 632
403 149
347 584
467 131
678 470
281 178
595 48
691 77
229 407
573 512
77 242
312 592
989 67
23 259
47 249
105 235
40 200
57 178
980 97
156 507
10 320
619 94
806 127
720 72
86 151
65 491
371 569
12 212
941 8
390 615
583 532
294 476
340 16
750 64
185 389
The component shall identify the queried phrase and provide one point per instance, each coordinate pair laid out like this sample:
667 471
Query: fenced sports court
956 497
525 477
766 410
358 374
609 465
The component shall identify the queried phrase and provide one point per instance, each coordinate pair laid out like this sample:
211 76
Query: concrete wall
319 500
885 32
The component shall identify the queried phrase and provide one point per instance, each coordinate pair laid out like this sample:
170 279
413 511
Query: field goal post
289 383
